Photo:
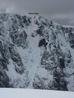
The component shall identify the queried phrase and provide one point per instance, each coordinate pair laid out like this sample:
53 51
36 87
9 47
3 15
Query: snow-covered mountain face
35 53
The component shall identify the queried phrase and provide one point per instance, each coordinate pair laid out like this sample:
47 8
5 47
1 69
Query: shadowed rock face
71 38
36 53
19 38
42 43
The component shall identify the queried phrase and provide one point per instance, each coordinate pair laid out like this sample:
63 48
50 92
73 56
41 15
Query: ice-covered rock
36 53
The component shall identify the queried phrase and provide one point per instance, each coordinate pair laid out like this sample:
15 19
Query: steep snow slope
36 53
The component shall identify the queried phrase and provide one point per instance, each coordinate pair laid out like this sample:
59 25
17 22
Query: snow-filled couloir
35 53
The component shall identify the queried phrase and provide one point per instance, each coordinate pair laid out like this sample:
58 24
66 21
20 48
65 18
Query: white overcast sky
61 11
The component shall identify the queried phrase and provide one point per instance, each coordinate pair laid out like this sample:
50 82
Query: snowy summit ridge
35 53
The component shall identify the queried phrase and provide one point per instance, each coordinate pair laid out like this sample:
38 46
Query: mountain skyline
62 11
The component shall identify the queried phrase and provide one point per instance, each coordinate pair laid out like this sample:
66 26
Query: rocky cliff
36 53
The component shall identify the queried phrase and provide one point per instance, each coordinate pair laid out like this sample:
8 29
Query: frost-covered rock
36 53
